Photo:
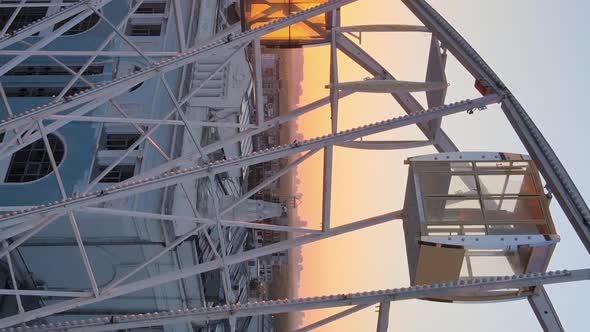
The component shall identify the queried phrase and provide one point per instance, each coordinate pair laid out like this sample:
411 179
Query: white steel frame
20 224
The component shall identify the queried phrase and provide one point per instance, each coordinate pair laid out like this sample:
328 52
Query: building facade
84 153
271 88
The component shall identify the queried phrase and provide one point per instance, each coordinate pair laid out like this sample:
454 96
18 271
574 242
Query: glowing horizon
326 265
348 263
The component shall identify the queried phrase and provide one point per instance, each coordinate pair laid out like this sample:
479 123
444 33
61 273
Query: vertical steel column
543 309
383 318
258 81
410 105
329 150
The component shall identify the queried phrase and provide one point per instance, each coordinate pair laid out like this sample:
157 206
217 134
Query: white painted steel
201 268
123 190
311 303
21 223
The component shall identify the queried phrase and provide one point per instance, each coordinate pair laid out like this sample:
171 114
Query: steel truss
21 224
358 300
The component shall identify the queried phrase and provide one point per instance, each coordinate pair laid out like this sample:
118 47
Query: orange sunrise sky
369 183
349 262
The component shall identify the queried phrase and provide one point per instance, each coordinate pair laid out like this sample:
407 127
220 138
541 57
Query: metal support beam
184 161
16 291
21 224
176 110
391 86
179 25
143 121
381 28
195 220
6 150
28 234
197 269
131 188
84 53
543 309
227 287
267 181
8 65
410 105
48 21
35 4
258 81
110 323
100 48
384 145
435 72
77 76
11 18
329 150
558 180
554 173
561 184
155 257
333 318
42 293
120 86
72 219
383 319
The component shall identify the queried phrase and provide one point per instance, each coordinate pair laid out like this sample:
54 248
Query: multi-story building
271 137
271 86
85 151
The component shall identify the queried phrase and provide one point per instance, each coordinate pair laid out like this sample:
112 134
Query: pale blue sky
538 49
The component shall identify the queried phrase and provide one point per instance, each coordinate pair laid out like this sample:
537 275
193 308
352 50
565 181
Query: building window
135 87
85 25
138 85
26 15
39 92
146 30
118 174
151 8
120 141
52 70
32 162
